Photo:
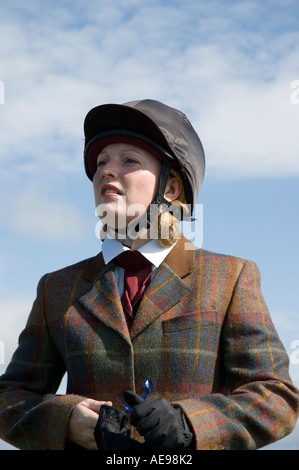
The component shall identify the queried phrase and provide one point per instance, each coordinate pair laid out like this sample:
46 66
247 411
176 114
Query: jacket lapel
165 290
102 299
167 287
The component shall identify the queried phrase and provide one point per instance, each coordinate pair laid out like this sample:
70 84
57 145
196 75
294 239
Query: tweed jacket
202 334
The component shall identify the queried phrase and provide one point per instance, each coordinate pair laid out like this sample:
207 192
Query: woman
189 326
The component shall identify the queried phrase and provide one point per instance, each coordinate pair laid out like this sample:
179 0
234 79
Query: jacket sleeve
32 416
261 404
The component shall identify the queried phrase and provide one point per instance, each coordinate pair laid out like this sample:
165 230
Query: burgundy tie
137 277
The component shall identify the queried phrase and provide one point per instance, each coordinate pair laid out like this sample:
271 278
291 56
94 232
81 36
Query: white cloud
253 131
34 214
233 83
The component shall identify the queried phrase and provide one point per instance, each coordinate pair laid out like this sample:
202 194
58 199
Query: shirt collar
152 250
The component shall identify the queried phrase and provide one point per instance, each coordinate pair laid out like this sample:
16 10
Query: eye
130 160
101 162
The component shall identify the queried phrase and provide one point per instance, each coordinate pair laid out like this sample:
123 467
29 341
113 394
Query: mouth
110 189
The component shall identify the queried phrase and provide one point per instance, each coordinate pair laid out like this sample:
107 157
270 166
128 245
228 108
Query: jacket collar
181 260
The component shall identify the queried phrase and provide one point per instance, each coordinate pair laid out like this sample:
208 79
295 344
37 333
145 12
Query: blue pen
148 389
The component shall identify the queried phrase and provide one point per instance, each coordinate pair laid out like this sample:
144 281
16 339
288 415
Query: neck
143 237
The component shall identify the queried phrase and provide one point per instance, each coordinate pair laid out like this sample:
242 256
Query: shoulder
228 265
69 274
76 267
187 258
59 288
207 255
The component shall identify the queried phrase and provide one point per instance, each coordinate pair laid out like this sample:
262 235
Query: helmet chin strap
151 214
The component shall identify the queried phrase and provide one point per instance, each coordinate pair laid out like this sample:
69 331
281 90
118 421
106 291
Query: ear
173 188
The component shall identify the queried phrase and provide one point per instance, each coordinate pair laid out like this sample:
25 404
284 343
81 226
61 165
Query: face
125 183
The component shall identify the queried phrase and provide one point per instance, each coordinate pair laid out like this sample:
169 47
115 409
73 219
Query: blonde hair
168 224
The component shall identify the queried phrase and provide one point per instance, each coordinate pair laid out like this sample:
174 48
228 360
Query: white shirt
152 251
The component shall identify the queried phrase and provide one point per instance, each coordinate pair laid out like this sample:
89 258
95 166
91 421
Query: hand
82 422
164 427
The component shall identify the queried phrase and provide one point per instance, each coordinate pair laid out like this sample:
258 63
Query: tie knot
132 260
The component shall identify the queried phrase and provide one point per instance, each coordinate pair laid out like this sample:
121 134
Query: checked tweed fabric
202 334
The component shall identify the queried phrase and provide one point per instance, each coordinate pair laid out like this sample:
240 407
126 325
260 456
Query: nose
109 169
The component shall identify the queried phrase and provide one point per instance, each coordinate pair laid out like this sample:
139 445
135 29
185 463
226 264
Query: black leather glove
111 431
164 427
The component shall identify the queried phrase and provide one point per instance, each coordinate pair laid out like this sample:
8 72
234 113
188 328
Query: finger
92 445
147 415
85 416
81 425
132 398
145 419
95 405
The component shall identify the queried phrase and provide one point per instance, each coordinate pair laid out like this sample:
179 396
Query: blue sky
229 65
